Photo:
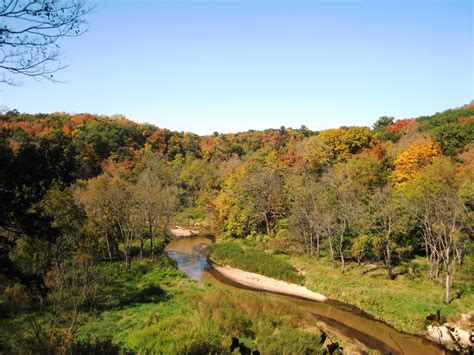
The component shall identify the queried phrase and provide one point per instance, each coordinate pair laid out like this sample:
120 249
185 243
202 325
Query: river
350 322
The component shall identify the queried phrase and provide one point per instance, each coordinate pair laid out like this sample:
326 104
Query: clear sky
229 65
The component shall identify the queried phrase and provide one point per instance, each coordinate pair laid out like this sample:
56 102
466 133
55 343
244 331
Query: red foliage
271 138
294 161
399 125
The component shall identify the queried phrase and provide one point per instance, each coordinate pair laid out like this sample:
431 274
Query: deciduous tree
434 198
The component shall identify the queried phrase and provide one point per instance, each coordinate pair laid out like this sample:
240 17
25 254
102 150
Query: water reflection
190 255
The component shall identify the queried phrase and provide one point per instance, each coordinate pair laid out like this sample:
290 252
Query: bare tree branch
30 32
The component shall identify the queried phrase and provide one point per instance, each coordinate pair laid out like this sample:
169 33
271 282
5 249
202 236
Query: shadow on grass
119 287
102 347
148 294
126 295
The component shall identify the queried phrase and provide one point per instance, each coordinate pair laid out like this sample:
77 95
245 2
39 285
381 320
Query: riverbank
180 232
164 312
352 323
404 303
241 255
265 283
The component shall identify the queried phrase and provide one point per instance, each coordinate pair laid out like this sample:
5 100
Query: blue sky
229 65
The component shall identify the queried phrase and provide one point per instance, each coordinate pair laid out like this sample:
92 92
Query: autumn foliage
417 156
79 189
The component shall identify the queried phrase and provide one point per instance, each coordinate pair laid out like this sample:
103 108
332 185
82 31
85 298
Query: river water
190 255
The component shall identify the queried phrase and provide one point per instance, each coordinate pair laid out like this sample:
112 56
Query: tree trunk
267 222
142 244
388 260
317 245
128 261
152 245
128 248
389 272
448 284
331 250
341 251
342 260
109 252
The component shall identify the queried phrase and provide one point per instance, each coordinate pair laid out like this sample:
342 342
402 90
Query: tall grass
250 258
192 318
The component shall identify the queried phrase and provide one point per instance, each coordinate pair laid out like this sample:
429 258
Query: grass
154 308
404 302
186 317
241 255
205 320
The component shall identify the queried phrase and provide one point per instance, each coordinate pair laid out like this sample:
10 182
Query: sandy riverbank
180 232
265 283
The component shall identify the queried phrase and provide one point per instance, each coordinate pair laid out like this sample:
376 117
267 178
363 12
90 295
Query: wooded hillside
81 189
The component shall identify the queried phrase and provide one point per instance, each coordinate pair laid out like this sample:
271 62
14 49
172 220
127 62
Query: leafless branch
30 32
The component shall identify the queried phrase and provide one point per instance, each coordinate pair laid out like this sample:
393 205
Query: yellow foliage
336 145
417 156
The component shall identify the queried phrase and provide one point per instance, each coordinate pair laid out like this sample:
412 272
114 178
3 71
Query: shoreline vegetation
154 308
239 255
408 303
406 308
164 311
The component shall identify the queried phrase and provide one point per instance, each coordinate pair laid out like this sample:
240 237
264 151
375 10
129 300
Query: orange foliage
271 138
32 129
79 119
294 161
67 129
14 146
206 146
380 149
159 140
465 120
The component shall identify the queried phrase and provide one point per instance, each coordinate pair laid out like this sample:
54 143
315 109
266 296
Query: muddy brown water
354 324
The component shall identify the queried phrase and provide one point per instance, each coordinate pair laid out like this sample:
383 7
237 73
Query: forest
87 203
